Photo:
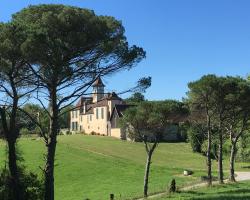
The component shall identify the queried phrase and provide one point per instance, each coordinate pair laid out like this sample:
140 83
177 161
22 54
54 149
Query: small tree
172 186
238 116
147 122
201 102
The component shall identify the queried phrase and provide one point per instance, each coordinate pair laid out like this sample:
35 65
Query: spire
98 82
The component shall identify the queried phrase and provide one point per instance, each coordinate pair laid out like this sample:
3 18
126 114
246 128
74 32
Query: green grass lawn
94 166
237 191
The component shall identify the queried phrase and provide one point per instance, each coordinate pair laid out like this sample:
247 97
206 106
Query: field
94 166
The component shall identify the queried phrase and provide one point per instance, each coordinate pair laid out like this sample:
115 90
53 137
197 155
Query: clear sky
184 39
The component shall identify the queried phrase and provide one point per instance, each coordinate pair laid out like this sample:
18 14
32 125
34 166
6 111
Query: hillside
93 166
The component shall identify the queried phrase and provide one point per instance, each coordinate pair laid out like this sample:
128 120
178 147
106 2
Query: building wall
95 122
98 123
116 132
74 120
114 120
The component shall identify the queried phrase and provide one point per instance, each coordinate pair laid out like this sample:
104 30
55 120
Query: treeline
29 127
52 54
213 117
219 114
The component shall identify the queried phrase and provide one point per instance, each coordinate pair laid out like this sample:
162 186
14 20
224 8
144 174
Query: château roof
82 100
112 96
119 109
98 82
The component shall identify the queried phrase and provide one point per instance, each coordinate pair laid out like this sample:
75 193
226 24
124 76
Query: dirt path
240 176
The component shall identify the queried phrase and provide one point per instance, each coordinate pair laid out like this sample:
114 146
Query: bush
94 133
172 186
31 186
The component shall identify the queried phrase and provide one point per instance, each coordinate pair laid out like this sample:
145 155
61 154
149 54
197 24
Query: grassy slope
93 167
238 191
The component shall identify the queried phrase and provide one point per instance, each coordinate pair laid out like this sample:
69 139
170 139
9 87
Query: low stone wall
116 132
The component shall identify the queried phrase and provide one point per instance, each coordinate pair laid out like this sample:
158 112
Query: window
73 112
102 113
81 118
87 118
80 128
97 114
76 113
74 126
90 118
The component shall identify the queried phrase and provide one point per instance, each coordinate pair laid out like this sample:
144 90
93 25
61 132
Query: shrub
31 186
172 186
94 133
83 133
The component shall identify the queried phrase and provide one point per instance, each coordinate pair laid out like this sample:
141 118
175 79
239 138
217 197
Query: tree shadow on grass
234 194
237 194
223 197
235 191
193 193
245 167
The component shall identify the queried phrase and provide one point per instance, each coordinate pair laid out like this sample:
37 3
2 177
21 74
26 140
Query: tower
98 90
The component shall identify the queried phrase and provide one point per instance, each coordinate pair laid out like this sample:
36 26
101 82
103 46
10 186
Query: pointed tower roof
98 82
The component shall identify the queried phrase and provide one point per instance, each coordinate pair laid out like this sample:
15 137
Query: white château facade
99 113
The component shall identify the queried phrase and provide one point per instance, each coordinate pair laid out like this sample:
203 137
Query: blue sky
184 39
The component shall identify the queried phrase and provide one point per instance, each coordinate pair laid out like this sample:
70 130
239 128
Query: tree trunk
220 159
209 163
49 169
232 160
146 176
11 136
51 148
15 180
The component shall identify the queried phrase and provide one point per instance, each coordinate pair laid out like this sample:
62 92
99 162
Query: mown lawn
94 166
237 191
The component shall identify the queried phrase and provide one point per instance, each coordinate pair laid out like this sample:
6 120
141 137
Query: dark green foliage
31 186
40 115
60 35
172 186
32 114
196 137
214 149
135 98
153 119
243 148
